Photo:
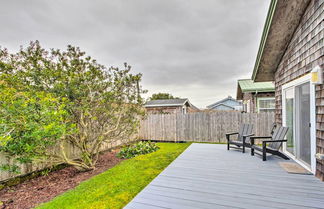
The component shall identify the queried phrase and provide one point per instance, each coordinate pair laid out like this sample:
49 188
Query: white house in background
227 104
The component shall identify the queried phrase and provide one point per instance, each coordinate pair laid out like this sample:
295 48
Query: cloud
194 49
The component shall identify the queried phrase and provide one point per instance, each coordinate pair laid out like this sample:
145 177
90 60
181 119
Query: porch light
319 156
316 75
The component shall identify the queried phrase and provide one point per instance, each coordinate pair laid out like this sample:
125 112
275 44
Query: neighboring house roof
222 101
170 103
167 103
282 20
247 85
223 105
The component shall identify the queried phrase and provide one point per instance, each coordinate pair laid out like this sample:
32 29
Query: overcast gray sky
195 49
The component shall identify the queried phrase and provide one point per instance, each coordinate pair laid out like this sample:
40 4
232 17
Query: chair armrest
269 141
258 137
229 134
248 135
261 137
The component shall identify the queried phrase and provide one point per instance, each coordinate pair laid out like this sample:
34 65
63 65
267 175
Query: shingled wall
304 52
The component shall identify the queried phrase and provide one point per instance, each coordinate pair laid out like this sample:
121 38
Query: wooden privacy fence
202 126
32 167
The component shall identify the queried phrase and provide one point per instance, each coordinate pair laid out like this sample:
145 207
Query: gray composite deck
209 176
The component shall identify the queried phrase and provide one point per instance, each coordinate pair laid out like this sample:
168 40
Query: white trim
293 84
313 126
297 81
265 98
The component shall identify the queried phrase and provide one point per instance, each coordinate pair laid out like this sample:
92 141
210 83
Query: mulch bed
44 188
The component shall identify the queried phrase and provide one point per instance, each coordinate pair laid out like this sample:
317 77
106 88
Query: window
266 104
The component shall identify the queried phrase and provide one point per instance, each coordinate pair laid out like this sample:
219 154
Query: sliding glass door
289 119
303 122
297 117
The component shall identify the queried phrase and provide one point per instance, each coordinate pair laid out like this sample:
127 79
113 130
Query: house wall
251 98
164 110
249 101
304 52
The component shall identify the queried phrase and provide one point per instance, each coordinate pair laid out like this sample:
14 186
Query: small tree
103 104
162 96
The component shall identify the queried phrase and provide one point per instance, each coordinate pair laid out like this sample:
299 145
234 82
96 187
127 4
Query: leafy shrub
53 90
30 122
139 148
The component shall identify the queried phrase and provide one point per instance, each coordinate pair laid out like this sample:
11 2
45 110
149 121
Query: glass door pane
289 110
302 122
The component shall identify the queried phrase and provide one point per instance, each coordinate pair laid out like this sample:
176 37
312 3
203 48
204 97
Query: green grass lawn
115 187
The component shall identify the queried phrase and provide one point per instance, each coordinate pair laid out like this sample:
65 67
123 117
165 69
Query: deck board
209 176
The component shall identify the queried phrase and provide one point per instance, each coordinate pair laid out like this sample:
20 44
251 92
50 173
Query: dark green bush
139 148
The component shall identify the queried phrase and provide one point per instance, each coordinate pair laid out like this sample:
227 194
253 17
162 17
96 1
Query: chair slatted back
245 129
278 134
274 126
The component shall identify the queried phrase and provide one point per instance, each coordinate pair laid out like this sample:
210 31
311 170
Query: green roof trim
247 85
265 33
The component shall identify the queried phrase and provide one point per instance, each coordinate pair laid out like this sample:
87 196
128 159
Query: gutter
265 33
256 102
260 91
165 105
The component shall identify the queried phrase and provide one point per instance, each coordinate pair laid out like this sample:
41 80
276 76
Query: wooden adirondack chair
242 139
270 144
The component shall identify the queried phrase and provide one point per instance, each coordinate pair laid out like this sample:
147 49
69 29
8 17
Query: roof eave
264 36
282 20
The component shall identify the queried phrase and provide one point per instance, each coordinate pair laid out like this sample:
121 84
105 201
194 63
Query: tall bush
102 104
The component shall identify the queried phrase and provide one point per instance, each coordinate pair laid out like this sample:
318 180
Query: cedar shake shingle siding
304 52
320 128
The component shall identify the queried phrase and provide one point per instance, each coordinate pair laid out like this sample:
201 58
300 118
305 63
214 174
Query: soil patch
41 189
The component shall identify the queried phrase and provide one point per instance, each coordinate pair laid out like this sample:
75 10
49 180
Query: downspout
256 101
